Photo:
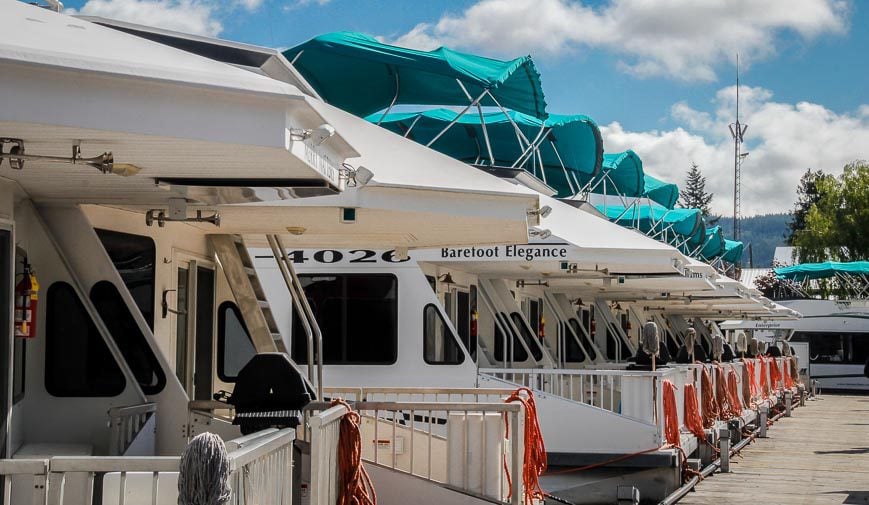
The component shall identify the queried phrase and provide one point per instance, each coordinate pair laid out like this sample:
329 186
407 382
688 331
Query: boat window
234 345
128 337
534 315
836 348
519 353
530 338
573 352
440 346
19 357
181 340
77 360
433 282
358 317
579 333
134 257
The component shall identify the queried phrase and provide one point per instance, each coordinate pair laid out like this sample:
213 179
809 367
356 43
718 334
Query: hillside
763 232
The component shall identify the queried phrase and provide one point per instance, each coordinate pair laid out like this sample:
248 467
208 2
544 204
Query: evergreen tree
807 195
694 195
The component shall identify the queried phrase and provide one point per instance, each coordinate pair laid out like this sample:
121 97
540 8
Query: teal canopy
664 193
357 73
623 170
715 244
573 140
732 251
824 270
680 223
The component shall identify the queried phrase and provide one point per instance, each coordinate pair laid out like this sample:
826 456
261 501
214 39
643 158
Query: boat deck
818 456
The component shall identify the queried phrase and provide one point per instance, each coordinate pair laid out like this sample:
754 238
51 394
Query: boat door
460 303
194 325
6 338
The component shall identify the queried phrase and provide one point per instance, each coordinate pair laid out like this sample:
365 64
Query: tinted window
463 322
530 338
357 315
836 348
77 360
18 367
579 333
573 352
440 346
134 256
519 353
128 337
234 346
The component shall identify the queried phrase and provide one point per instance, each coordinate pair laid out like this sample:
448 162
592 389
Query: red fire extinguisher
474 317
26 300
541 328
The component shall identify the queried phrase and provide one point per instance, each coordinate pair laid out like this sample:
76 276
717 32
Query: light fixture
316 135
296 230
355 177
538 233
105 162
446 278
542 212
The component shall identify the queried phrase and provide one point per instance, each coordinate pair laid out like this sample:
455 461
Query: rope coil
534 462
671 415
356 486
710 411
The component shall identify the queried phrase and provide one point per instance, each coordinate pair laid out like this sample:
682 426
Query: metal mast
737 131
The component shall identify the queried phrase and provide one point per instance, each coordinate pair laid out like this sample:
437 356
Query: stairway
249 295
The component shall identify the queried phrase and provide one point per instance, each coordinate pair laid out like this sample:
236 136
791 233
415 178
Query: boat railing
125 423
418 394
255 465
460 445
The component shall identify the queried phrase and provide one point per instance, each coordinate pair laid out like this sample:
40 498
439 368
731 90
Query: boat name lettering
528 253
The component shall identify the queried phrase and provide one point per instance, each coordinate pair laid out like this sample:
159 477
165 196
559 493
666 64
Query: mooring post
724 448
789 399
802 392
763 415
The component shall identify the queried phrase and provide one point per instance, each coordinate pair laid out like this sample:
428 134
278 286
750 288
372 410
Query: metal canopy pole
460 114
394 99
412 124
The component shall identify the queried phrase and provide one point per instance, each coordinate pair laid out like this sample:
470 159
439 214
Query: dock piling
724 448
763 415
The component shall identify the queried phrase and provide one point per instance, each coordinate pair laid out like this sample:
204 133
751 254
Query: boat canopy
550 149
361 75
806 271
732 250
715 243
671 225
663 193
621 173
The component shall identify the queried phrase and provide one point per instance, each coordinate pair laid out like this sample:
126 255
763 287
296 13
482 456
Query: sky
658 76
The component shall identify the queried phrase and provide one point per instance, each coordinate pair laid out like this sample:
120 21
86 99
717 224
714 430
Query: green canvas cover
823 270
732 251
715 243
577 139
664 193
361 75
687 223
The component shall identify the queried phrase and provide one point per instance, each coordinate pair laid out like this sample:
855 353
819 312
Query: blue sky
658 80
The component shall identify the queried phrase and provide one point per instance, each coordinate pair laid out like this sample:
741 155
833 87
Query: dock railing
460 445
125 424
261 472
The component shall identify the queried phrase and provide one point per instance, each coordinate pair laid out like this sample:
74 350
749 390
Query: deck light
541 234
446 278
355 177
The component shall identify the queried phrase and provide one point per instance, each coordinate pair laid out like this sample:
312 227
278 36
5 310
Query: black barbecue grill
269 392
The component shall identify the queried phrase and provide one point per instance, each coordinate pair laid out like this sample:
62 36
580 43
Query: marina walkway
818 456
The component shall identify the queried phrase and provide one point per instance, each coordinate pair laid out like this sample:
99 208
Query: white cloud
250 5
298 4
188 16
783 140
682 39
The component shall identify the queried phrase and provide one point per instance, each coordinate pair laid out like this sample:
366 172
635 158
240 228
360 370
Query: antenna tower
737 131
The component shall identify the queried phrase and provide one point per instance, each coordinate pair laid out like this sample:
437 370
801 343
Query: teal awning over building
573 140
823 270
664 193
361 75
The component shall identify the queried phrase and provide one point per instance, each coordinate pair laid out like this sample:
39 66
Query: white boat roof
32 35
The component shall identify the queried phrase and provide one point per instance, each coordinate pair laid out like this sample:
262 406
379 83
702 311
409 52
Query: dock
820 455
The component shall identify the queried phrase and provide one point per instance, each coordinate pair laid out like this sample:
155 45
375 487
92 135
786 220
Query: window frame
227 305
450 334
153 245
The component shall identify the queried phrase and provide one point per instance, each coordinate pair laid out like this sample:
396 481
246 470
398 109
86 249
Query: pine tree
694 195
807 196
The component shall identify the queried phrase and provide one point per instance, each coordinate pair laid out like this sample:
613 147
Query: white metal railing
460 445
125 424
260 465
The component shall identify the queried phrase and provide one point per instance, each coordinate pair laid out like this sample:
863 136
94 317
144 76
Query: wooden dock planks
818 456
